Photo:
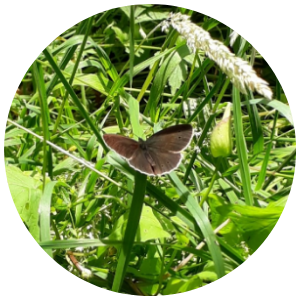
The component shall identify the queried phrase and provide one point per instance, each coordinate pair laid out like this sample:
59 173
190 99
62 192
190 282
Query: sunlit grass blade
241 148
131 44
131 229
203 223
262 174
134 114
73 243
40 84
44 208
65 60
161 77
207 99
256 128
89 23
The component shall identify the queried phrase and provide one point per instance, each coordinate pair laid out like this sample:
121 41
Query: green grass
78 198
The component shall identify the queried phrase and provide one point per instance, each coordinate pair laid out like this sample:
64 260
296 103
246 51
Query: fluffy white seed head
239 71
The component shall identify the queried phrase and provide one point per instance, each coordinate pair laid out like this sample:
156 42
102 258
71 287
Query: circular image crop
150 150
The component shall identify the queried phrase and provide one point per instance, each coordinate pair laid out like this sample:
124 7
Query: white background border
27 27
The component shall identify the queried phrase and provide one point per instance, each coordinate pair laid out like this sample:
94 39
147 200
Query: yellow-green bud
221 139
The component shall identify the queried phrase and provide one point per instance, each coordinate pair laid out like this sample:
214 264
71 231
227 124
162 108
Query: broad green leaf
149 227
176 285
26 195
251 224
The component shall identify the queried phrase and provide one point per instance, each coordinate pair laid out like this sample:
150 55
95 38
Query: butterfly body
158 155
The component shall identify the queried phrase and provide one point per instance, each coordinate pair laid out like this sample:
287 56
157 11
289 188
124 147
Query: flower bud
221 139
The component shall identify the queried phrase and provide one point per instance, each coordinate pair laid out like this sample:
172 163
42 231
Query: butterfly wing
173 139
159 155
164 162
124 146
140 162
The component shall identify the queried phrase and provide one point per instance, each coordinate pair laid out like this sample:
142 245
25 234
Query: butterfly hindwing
164 162
139 162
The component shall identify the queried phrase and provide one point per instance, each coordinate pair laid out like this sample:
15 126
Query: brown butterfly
158 155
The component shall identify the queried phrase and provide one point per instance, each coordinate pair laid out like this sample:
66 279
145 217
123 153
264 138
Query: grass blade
39 80
241 147
131 229
75 98
203 223
44 209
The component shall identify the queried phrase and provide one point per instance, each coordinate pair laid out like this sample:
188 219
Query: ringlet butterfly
159 154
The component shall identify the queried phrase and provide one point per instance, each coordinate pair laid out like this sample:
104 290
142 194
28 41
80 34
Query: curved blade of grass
65 60
282 108
131 229
241 147
203 223
161 77
138 68
71 92
78 208
78 59
44 209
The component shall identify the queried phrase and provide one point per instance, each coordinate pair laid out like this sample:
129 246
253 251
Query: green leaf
26 196
176 285
252 224
149 227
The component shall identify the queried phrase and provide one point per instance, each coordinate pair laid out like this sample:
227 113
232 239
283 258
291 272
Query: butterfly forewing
124 146
174 139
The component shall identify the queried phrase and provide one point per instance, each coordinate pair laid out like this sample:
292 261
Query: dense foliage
106 222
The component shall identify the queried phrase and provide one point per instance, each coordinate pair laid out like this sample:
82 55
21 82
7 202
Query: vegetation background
115 95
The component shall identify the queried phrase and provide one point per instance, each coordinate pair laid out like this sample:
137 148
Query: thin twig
79 160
